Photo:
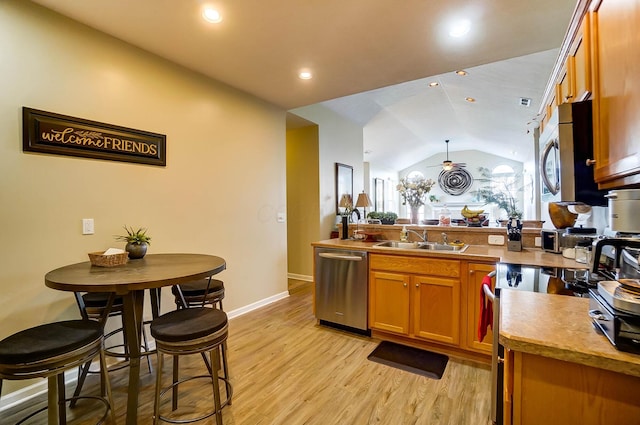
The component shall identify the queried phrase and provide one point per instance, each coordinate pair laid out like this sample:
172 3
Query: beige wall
340 140
303 202
220 192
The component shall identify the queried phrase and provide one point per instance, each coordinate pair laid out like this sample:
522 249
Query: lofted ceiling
357 46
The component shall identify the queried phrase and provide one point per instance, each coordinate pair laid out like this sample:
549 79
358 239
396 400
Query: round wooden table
130 281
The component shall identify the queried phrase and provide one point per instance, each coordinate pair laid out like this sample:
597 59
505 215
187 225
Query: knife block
514 246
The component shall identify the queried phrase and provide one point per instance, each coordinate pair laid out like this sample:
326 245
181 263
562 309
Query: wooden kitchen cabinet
616 100
580 60
475 274
436 309
543 390
564 85
389 302
418 297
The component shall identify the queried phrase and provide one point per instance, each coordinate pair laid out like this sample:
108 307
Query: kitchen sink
430 246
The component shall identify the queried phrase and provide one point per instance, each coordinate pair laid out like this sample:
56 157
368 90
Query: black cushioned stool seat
192 331
199 293
48 351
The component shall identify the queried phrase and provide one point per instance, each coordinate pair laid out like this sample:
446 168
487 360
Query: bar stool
47 351
199 293
192 331
100 306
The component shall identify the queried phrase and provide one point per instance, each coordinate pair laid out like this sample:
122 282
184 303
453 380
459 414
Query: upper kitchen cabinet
580 62
616 103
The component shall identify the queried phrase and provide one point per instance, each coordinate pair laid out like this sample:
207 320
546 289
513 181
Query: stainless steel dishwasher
341 279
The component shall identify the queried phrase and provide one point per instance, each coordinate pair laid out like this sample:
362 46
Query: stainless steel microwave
565 146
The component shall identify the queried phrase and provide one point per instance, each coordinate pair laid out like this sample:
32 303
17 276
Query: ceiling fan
447 164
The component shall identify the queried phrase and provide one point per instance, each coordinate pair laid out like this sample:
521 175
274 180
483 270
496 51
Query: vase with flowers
413 191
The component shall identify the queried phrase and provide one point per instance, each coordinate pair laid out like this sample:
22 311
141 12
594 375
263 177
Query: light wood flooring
287 370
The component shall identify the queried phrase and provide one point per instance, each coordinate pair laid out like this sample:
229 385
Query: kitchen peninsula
430 298
558 369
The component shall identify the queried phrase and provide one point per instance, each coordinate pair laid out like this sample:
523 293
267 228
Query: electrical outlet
496 240
87 226
538 241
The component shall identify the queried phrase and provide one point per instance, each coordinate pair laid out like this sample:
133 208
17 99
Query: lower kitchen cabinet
475 274
542 390
389 302
421 306
436 309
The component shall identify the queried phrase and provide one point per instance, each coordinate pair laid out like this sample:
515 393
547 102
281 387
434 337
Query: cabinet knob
472 271
417 286
590 162
404 284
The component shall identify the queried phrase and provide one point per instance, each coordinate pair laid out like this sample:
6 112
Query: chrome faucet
422 236
445 239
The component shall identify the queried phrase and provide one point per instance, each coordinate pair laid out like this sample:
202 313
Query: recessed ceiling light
469 99
305 75
434 84
461 72
211 15
460 28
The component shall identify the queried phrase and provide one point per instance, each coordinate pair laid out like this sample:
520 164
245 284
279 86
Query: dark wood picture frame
344 183
378 200
51 133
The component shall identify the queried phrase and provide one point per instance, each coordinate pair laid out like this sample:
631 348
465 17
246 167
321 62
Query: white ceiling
355 46
408 122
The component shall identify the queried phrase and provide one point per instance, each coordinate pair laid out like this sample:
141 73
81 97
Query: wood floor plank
287 370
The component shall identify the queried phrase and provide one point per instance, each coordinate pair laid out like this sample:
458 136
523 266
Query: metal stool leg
215 360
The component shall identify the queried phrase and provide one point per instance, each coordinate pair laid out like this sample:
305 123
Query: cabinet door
564 87
474 284
389 302
581 54
436 309
616 103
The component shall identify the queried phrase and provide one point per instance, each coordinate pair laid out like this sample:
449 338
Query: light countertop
488 253
559 327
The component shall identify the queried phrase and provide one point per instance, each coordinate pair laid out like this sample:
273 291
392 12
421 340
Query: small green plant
137 237
385 218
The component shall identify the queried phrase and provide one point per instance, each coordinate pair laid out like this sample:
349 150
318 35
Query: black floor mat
411 359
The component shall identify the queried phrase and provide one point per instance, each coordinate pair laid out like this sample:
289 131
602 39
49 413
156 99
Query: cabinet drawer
421 265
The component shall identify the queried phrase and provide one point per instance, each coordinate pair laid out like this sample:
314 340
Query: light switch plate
496 240
538 241
87 226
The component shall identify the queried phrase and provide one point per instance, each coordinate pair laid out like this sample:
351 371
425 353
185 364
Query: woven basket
101 260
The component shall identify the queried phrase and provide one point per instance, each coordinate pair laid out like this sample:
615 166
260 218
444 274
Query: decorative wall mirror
344 185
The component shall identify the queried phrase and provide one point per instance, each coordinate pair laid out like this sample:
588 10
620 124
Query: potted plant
414 192
501 192
385 218
137 242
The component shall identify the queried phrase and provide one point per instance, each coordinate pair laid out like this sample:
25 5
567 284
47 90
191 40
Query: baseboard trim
300 277
256 305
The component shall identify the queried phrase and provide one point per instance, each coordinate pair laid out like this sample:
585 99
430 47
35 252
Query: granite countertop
488 253
559 327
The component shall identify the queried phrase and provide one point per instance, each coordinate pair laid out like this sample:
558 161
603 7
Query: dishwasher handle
335 256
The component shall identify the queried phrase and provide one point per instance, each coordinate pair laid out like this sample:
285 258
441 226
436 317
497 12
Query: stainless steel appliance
615 302
623 210
566 145
341 285
551 240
